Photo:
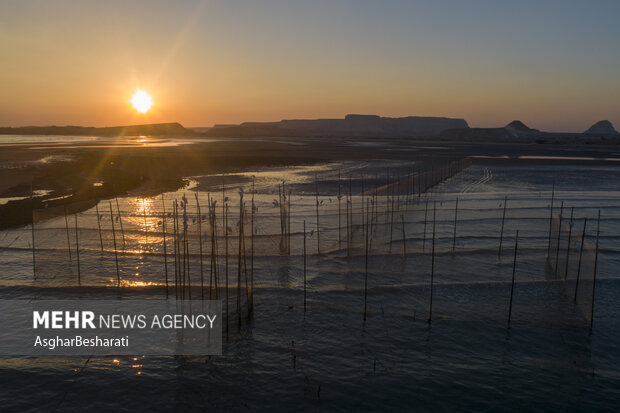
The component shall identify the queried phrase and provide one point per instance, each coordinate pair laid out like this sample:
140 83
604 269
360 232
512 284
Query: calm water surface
330 359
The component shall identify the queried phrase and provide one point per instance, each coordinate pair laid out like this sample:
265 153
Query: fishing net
207 239
572 257
81 239
206 245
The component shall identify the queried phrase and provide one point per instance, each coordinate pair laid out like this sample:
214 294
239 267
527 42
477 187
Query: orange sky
212 62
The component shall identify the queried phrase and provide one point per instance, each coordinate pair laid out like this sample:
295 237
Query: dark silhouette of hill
602 127
156 129
363 126
520 126
350 126
519 129
515 129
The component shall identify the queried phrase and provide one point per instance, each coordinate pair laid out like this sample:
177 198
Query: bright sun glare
141 101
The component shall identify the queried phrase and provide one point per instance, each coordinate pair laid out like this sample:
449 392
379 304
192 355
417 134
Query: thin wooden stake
399 195
213 267
430 305
225 222
348 225
252 249
305 267
551 218
146 228
288 224
163 231
456 211
177 270
570 232
350 211
392 216
245 264
387 192
34 261
99 227
365 275
598 228
514 268
226 246
281 217
425 219
214 248
214 279
557 251
67 228
402 220
583 238
118 273
239 263
373 211
181 279
339 219
419 180
77 249
182 256
501 232
120 218
213 263
202 291
362 202
186 249
318 228
408 185
375 205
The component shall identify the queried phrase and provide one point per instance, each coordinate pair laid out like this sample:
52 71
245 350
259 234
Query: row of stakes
181 247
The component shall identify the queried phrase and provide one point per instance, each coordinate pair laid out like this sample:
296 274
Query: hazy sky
555 65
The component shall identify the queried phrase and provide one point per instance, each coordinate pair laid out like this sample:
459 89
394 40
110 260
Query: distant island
155 129
372 126
351 126
517 130
603 127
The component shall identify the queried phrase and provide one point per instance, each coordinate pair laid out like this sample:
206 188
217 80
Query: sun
141 101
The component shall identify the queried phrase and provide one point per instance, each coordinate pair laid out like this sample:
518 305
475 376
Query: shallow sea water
330 358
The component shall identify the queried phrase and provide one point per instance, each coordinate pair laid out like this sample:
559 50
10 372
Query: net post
512 284
598 227
430 305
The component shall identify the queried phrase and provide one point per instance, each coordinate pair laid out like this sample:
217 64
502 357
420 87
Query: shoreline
90 173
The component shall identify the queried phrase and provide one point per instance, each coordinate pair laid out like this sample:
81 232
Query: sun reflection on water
145 218
134 283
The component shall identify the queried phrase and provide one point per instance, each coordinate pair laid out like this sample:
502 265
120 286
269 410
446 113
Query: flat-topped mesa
602 127
373 125
352 125
155 129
